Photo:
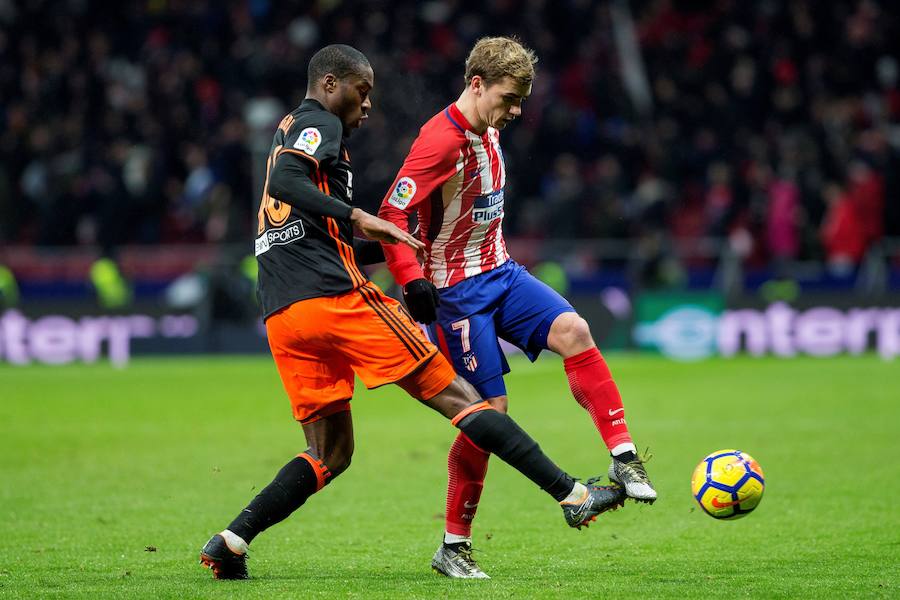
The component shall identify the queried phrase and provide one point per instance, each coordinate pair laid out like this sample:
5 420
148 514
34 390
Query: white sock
452 538
576 495
623 447
235 542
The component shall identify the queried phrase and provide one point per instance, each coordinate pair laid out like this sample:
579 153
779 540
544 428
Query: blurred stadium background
700 177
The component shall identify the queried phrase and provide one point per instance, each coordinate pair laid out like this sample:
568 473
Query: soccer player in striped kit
470 292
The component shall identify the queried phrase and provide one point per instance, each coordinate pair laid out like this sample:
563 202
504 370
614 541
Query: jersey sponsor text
291 232
488 208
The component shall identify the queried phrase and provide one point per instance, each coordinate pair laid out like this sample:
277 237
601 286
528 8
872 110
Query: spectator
783 219
843 232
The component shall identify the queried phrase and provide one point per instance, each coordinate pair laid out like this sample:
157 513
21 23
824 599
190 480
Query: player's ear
329 82
477 84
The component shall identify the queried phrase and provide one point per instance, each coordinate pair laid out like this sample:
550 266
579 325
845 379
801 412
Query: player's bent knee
429 380
334 465
454 399
580 332
339 464
339 459
499 403
570 333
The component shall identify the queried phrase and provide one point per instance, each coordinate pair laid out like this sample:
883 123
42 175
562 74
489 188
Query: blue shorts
507 302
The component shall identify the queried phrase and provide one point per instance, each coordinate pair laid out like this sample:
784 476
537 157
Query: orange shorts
318 345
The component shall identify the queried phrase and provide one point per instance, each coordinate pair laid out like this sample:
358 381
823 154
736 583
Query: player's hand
375 228
422 300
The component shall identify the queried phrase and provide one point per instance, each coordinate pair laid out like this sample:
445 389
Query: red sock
467 466
594 389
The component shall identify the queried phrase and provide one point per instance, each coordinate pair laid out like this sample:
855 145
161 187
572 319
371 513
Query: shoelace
636 466
466 555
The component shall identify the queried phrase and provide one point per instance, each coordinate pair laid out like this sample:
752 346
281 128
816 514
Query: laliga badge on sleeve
309 140
403 192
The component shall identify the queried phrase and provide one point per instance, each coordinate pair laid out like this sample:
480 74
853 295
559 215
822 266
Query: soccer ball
728 484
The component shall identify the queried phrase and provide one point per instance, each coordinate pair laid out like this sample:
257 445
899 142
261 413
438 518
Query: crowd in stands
772 124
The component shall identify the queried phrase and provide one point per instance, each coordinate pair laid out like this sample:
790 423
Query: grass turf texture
113 479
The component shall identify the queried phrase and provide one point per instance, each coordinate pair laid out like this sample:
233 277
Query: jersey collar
313 102
458 119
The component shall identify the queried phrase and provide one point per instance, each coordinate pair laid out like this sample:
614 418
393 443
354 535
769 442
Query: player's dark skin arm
290 182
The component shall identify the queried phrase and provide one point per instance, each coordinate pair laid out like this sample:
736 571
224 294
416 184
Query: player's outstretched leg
593 387
497 433
225 554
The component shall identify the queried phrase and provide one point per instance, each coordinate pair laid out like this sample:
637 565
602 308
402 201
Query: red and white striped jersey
453 180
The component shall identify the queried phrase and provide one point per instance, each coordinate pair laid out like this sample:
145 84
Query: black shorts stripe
404 326
396 324
410 317
379 311
406 312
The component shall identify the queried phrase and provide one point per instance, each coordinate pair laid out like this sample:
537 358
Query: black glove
422 300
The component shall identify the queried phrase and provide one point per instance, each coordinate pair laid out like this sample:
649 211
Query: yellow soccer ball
728 484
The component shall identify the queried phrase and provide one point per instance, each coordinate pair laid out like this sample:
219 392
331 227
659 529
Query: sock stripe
319 468
472 408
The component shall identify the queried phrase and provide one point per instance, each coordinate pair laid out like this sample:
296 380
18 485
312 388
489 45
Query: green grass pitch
113 479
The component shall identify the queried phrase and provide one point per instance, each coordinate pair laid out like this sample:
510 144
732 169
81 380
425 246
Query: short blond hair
493 58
